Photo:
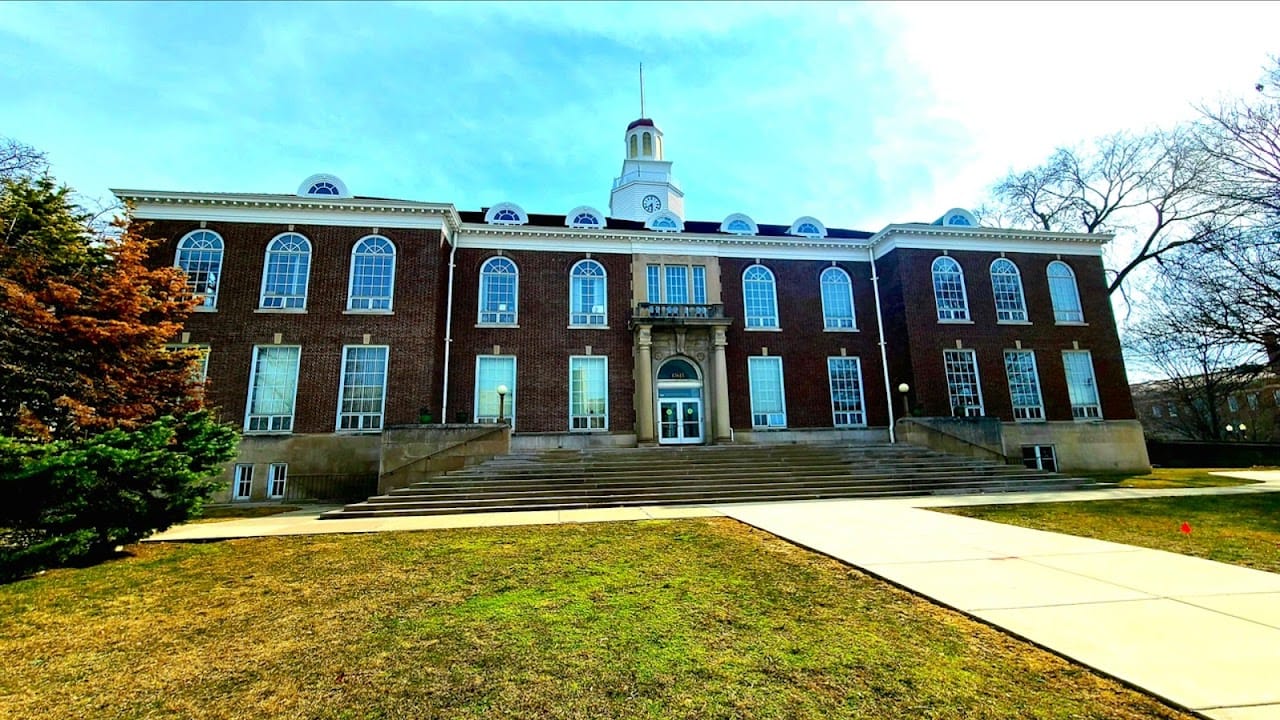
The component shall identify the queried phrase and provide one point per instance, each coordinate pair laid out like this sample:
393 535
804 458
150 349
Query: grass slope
680 619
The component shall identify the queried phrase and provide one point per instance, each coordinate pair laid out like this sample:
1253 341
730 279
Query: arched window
499 280
759 297
587 294
807 226
1064 293
739 224
506 215
1006 285
284 276
635 148
373 274
323 188
648 143
958 219
948 290
837 300
584 216
200 257
582 219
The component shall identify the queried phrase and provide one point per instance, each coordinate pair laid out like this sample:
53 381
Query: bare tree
1244 137
18 159
1149 188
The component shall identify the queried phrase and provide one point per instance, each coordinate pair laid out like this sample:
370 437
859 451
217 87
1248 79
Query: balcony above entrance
667 314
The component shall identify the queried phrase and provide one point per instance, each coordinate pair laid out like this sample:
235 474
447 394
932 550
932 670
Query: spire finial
641 89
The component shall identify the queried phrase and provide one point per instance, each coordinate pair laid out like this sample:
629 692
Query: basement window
1040 457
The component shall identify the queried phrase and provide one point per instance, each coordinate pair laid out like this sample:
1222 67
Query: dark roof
709 227
642 121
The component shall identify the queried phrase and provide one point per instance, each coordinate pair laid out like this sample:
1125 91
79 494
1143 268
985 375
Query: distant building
1245 410
328 316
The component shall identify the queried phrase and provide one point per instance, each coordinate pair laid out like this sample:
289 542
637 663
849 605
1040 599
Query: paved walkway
1201 634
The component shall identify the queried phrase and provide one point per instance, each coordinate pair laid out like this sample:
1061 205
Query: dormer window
957 217
665 221
584 217
506 214
738 224
807 227
323 185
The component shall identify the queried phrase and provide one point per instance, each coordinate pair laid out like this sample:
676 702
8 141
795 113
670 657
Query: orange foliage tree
84 322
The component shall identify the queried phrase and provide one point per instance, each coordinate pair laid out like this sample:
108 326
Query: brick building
328 316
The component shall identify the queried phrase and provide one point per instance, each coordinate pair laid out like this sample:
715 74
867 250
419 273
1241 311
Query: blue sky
858 114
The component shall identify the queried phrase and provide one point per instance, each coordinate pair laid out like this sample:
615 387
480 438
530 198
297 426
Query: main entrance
679 404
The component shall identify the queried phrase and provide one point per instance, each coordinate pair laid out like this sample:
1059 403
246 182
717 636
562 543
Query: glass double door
679 421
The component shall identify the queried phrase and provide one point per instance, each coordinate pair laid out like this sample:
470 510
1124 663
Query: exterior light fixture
502 399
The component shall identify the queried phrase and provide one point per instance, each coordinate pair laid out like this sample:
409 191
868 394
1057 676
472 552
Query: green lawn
1238 529
218 513
676 619
1172 478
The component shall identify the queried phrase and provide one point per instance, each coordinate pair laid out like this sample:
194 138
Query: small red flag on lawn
1185 529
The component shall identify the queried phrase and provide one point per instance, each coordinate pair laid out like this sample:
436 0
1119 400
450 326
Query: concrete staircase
566 479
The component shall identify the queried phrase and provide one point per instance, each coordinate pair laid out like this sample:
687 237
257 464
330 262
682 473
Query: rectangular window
242 485
1039 457
677 284
1157 411
363 387
201 369
1252 399
1233 404
1081 385
493 371
273 388
277 474
588 392
653 282
768 403
1275 395
845 377
962 382
1173 410
1024 384
699 285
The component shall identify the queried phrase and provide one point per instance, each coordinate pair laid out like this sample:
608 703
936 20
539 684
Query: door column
644 385
720 374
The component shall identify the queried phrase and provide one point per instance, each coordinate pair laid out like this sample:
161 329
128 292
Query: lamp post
1240 429
502 399
1230 429
904 389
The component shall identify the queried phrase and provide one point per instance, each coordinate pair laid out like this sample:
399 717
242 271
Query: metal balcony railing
674 312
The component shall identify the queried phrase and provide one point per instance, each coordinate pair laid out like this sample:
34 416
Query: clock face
651 203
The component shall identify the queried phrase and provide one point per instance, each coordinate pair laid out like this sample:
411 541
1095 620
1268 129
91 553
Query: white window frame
831 321
655 277
589 422
379 418
242 480
1081 409
277 480
767 420
597 315
1064 283
856 417
285 300
509 405
249 415
183 260
368 303
947 313
1025 413
497 317
1035 460
1011 312
760 322
952 384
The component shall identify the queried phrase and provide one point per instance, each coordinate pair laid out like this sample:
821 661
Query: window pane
948 290
962 382
699 285
1081 386
759 299
588 393
200 257
837 299
272 388
768 408
364 382
492 371
373 267
587 294
284 285
652 278
1006 284
498 279
1064 294
845 377
677 284
1024 384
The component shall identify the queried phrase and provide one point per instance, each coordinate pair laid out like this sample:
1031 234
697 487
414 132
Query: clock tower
645 185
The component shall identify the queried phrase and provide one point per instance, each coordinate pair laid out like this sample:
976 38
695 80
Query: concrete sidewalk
1200 634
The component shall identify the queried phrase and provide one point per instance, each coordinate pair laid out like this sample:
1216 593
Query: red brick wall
802 344
543 342
928 338
413 378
